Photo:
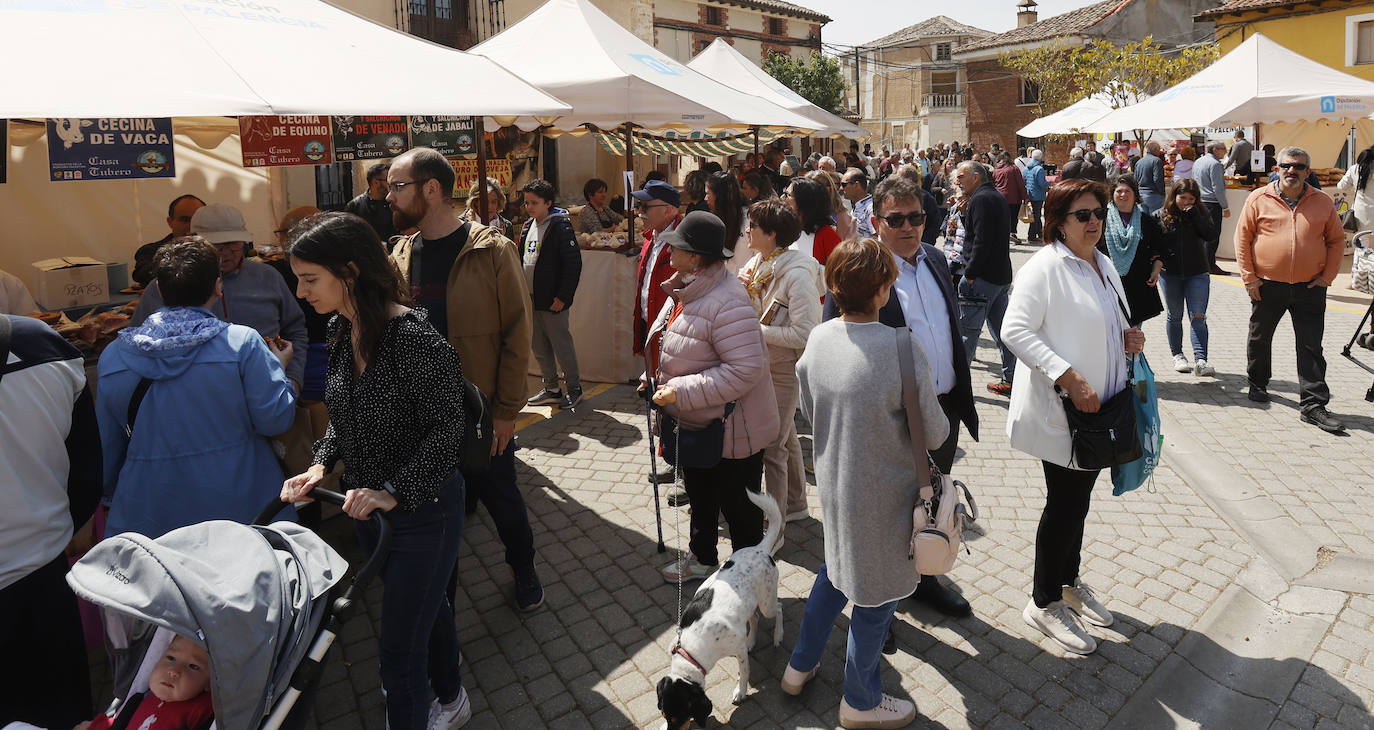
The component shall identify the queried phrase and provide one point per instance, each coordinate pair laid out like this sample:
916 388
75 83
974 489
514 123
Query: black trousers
1213 243
1059 541
47 682
720 490
944 456
1307 308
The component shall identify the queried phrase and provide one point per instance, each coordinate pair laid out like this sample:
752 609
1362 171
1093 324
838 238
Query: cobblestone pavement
1213 628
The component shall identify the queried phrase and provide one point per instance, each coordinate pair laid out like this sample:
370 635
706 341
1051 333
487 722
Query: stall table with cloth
602 319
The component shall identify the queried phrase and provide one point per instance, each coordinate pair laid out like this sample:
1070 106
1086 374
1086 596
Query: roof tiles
1070 23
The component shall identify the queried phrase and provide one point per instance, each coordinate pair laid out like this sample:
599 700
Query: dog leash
677 537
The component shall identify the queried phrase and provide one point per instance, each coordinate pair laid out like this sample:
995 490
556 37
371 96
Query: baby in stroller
178 696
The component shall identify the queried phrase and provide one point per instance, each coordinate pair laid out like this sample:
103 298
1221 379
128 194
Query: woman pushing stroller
396 422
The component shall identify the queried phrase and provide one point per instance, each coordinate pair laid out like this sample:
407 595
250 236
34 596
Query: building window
713 15
1030 92
942 51
702 45
1364 42
777 26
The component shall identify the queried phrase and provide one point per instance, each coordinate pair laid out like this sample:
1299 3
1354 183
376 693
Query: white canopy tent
723 63
570 49
1071 119
203 58
1260 82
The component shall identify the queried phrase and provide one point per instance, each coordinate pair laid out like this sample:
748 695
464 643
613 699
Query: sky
854 22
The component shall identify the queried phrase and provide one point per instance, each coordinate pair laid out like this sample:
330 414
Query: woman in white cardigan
1066 325
1358 184
785 286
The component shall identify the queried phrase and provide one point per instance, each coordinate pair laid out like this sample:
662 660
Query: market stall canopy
1260 82
1071 119
685 144
570 49
723 63
108 58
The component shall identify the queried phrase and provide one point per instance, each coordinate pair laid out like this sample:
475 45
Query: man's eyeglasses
1083 214
858 180
399 186
1299 166
642 207
896 219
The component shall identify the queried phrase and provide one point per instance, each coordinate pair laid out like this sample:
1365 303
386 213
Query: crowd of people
761 290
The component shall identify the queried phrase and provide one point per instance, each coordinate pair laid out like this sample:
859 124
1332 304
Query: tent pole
482 204
629 199
756 140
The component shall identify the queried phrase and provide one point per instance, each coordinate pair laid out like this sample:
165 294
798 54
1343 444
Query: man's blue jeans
419 639
1151 201
1192 292
863 681
979 302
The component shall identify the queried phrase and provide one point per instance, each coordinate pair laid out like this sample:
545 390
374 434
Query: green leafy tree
1125 74
818 79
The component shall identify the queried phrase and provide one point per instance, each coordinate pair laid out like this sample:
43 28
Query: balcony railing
942 102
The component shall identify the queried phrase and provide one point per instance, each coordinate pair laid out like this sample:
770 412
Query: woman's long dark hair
729 205
813 204
348 247
1169 217
1366 163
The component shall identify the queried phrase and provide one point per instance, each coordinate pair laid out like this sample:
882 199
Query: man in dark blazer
923 298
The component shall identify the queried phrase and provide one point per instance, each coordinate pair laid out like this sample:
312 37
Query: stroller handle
374 562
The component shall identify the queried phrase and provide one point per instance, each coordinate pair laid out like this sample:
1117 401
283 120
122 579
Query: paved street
1240 580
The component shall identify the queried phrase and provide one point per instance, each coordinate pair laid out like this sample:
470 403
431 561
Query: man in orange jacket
1289 245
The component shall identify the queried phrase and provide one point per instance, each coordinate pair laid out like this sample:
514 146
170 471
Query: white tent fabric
1069 120
723 63
1260 82
202 58
570 49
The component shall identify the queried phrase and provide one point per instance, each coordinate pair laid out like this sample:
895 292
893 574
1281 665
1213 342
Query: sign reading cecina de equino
271 141
127 148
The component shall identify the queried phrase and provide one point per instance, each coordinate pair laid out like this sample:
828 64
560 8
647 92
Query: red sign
270 141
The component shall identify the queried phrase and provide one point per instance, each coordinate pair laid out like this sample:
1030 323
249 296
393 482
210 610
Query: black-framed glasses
855 180
1299 166
647 206
896 219
1083 214
401 185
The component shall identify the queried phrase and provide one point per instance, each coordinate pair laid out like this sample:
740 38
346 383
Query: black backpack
477 431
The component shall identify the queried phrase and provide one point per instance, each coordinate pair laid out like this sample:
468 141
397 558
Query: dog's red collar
678 650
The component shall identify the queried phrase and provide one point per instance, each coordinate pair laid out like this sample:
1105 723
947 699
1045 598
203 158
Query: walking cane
653 467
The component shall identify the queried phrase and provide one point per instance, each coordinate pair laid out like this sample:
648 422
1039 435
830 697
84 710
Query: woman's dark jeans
1059 541
419 643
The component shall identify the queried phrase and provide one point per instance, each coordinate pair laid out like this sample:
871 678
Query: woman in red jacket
812 203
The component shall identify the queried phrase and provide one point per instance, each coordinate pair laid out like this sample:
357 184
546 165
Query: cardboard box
73 281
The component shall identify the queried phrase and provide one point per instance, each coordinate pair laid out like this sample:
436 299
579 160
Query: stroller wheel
1366 340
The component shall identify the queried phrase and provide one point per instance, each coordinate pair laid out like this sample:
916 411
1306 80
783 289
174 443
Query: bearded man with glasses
922 298
1289 245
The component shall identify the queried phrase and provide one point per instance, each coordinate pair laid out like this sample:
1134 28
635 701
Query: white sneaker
450 717
1204 369
1083 601
798 515
1060 623
1181 364
890 713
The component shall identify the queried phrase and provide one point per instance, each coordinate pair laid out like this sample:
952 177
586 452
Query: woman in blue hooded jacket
198 447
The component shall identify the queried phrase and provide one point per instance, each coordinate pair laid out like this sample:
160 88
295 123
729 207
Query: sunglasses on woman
1083 214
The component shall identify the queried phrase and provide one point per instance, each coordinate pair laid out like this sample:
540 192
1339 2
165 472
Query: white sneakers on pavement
794 680
451 716
1060 623
890 713
1181 364
1083 600
1204 369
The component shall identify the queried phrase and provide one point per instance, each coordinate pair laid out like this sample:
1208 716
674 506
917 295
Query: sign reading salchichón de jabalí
369 138
271 141
127 148
450 136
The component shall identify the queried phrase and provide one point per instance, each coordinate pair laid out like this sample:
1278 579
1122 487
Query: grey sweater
254 296
851 392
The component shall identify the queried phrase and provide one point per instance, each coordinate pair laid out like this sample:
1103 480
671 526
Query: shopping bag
1131 475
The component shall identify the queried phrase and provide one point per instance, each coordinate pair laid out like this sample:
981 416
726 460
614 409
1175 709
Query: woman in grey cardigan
852 395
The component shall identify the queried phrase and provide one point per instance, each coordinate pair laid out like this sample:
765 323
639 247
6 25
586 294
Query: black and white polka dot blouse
401 423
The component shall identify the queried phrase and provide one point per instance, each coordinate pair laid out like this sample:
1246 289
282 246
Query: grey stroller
260 599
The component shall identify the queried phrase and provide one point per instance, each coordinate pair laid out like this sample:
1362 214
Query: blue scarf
1122 239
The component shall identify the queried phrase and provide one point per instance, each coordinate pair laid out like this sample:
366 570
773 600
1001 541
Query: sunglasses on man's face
1292 166
1083 214
895 220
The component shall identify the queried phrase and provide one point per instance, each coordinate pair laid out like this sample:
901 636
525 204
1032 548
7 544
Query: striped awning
693 144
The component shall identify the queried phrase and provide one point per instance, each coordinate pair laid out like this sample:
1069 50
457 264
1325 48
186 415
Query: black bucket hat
701 233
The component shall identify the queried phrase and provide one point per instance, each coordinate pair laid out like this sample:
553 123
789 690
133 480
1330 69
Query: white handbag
937 530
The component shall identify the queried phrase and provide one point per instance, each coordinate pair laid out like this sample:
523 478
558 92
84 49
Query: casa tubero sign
128 148
274 141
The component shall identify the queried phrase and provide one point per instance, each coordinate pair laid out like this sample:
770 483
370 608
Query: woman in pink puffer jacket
710 352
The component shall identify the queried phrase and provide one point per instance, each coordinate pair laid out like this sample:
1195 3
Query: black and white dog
720 620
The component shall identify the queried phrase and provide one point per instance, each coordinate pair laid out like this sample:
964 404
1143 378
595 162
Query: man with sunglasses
986 283
923 299
854 186
1289 245
657 204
